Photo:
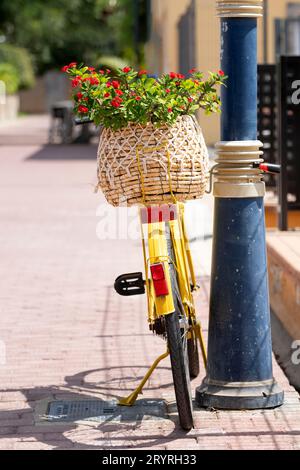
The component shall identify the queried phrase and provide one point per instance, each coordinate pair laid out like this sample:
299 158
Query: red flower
108 84
221 73
102 72
119 92
94 81
138 98
91 69
126 69
83 109
196 82
65 68
108 70
115 84
75 82
116 102
79 96
85 99
106 95
176 75
168 90
142 72
192 71
190 100
170 110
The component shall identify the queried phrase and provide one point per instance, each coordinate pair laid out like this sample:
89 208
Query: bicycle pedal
195 288
130 284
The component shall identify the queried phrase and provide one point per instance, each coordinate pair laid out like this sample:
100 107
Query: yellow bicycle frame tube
158 253
180 262
186 247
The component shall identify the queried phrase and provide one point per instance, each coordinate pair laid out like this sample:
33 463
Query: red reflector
264 167
159 279
158 272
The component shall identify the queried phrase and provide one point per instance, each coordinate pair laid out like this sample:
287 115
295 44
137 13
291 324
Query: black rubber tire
177 344
180 371
193 355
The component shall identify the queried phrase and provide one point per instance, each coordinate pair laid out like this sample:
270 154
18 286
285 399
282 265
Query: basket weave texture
152 165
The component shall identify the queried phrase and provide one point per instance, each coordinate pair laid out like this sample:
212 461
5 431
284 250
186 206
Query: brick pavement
67 335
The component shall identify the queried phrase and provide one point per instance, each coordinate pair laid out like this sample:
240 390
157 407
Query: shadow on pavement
65 152
27 423
109 434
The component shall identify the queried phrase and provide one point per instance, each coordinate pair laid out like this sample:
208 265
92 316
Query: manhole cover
100 411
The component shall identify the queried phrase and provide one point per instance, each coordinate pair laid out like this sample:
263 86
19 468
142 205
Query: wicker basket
152 165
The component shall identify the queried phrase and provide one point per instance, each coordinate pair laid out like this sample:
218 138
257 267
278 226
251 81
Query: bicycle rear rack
130 284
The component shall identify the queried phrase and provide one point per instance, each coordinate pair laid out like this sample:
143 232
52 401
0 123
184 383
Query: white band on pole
235 174
240 8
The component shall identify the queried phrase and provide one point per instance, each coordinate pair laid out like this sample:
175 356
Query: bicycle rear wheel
177 328
193 355
180 371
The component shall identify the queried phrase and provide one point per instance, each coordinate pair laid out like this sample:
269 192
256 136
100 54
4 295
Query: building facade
185 34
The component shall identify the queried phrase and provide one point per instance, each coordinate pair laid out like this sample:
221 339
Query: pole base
239 395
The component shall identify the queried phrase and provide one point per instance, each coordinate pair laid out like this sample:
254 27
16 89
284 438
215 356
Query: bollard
239 369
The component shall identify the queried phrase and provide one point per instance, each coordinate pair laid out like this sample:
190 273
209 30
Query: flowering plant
115 99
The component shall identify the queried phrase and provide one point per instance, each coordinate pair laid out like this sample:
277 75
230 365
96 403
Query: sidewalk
68 336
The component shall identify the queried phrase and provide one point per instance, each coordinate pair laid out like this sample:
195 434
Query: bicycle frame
158 252
155 250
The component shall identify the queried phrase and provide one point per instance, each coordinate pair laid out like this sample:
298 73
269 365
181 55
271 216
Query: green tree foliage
60 31
9 75
20 59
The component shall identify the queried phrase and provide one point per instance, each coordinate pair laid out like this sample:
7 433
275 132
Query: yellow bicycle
169 284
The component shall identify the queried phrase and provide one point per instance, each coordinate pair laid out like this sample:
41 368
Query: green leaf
148 83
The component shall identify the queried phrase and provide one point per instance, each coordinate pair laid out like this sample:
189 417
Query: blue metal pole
239 373
239 61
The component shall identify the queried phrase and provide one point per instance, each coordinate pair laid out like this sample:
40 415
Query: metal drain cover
100 411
